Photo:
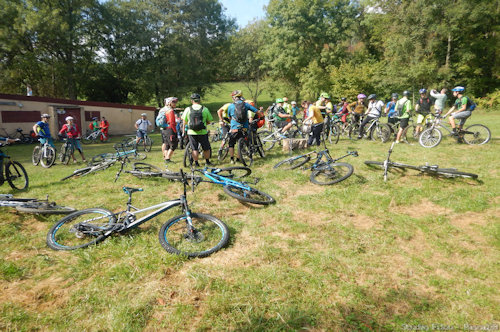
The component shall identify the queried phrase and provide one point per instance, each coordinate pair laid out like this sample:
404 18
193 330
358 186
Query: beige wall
121 118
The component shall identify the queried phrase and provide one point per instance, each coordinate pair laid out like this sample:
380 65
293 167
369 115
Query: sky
244 11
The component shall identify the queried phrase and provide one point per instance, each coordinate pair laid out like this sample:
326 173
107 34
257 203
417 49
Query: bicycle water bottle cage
130 191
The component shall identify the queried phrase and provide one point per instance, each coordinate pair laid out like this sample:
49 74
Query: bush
489 102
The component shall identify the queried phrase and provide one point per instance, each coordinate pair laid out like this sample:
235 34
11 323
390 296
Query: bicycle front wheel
410 134
16 175
477 134
381 132
430 137
223 150
81 229
331 174
244 152
248 195
44 208
292 162
267 139
148 143
203 237
48 157
35 156
334 134
235 172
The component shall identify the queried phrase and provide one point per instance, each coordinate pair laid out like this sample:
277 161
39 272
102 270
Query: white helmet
144 114
69 118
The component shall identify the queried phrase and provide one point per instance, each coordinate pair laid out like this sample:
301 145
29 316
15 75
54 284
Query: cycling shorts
422 118
462 116
201 139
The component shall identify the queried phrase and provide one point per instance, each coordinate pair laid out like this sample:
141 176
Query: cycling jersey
235 124
375 108
392 109
70 131
225 116
43 131
315 111
359 108
207 117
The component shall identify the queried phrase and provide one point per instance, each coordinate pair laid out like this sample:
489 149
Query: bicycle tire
44 208
210 235
78 172
235 172
222 153
16 175
380 132
269 144
149 144
292 162
35 156
139 156
430 137
477 134
244 152
252 195
452 173
103 157
258 144
63 232
334 134
138 166
410 135
86 140
354 131
334 173
48 158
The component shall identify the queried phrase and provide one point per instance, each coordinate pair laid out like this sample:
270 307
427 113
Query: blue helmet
458 89
422 91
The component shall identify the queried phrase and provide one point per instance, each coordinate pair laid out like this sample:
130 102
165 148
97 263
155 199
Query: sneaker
208 163
360 137
74 161
397 142
197 164
167 161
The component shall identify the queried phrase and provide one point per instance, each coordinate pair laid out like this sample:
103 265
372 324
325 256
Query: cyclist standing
403 109
169 128
358 107
373 112
94 125
423 109
461 109
41 128
73 134
197 117
224 120
390 109
142 125
238 113
314 115
104 126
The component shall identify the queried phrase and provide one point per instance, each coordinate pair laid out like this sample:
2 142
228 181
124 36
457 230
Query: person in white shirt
142 125
374 111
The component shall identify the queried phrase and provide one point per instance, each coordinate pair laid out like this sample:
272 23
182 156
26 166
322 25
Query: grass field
361 255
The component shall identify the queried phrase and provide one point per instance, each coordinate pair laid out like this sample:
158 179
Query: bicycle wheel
148 144
81 229
78 172
477 134
410 134
48 157
129 143
206 235
267 139
16 175
354 131
259 147
44 208
145 167
249 195
138 156
453 173
35 156
244 152
334 136
188 156
380 132
235 172
331 174
292 162
430 137
104 157
86 139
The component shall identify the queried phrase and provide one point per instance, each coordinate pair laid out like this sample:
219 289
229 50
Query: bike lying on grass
323 172
428 169
224 176
190 234
33 205
12 171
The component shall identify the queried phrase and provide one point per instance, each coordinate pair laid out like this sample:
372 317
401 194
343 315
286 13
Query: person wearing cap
169 129
373 112
423 109
403 109
142 125
71 131
41 128
104 126
197 117
460 109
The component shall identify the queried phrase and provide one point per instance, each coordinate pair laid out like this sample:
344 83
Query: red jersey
71 132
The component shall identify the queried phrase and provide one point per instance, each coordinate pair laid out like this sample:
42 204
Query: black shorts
233 138
281 124
201 139
169 138
404 123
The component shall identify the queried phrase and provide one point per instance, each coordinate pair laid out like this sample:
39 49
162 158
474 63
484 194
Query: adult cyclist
403 108
461 110
373 112
73 134
238 113
358 107
41 128
423 109
197 117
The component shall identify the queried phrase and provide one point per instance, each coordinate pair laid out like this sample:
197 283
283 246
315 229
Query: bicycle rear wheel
332 173
410 134
81 229
188 156
223 150
48 157
148 144
354 131
35 156
249 195
380 132
334 134
206 235
235 172
430 137
145 167
477 134
259 147
292 162
16 175
44 208
244 152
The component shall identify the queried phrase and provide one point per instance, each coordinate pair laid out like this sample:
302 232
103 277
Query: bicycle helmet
293 102
171 100
279 100
144 114
195 97
236 93
325 95
69 118
343 99
45 116
422 91
395 95
372 96
458 89
406 93
361 96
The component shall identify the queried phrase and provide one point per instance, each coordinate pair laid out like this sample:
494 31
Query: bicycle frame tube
161 207
219 179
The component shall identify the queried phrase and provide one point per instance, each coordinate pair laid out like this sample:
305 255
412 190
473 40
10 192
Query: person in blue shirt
390 109
295 109
236 128
41 128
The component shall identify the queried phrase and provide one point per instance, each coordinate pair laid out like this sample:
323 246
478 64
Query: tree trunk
448 52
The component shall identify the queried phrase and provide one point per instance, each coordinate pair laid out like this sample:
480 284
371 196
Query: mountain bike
224 148
144 143
12 171
476 134
189 234
43 154
93 137
269 139
121 150
250 145
67 150
33 205
374 130
323 172
428 169
20 136
91 169
217 135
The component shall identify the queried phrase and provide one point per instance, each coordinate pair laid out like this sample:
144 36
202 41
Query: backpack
420 109
262 119
471 105
196 119
240 112
399 108
161 120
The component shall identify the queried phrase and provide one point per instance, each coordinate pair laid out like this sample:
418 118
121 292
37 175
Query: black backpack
240 112
196 119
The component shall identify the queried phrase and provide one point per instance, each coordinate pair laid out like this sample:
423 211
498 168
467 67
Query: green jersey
207 117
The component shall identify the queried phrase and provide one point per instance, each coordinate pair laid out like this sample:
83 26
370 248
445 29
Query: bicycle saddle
129 190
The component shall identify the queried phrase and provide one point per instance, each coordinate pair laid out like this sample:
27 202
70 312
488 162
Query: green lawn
360 255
